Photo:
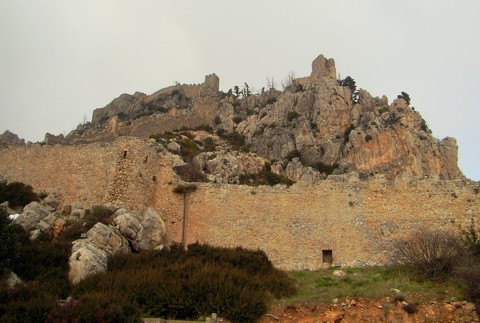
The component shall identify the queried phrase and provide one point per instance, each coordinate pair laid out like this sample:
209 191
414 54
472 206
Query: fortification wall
190 90
356 220
122 173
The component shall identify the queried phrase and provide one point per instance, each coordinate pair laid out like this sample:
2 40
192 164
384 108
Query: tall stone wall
123 173
356 220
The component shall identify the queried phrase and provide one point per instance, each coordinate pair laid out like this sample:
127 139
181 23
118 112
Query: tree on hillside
236 91
352 85
405 96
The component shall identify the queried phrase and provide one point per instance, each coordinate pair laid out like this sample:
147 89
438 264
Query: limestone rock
13 280
299 173
145 231
52 223
8 138
90 255
227 166
31 215
52 199
173 147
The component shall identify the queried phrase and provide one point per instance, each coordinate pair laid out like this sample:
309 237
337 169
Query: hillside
317 126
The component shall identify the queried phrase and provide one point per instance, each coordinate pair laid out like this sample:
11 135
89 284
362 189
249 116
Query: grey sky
61 59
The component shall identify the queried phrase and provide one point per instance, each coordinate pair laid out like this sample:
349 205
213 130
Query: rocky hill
316 127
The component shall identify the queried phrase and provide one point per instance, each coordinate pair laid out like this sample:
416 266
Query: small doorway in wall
327 256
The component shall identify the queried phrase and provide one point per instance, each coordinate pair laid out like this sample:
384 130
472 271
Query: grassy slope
370 282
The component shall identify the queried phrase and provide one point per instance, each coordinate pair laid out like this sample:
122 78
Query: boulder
52 223
89 256
13 280
31 215
173 147
52 199
145 231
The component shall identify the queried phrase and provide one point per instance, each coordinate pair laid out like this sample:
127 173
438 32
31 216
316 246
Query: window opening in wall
124 154
327 256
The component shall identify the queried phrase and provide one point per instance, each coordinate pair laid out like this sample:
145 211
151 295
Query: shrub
431 253
346 135
471 239
209 144
217 120
264 177
410 308
188 149
188 284
16 193
424 126
10 238
368 138
190 173
293 154
237 119
235 139
184 189
291 115
405 96
326 169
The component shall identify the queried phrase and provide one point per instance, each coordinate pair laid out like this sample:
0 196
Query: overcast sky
61 59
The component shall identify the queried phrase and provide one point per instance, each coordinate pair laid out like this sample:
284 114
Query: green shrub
192 283
44 260
291 115
237 119
209 144
26 303
293 154
235 139
16 193
405 96
326 169
11 236
188 149
190 173
424 126
264 177
346 135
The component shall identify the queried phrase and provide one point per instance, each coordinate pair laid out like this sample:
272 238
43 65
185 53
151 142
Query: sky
61 59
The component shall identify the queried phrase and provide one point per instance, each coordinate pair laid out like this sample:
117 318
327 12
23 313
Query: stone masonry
353 219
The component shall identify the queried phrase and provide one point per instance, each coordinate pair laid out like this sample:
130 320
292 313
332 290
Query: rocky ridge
316 127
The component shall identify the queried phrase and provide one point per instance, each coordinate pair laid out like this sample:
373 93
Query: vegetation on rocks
16 193
264 177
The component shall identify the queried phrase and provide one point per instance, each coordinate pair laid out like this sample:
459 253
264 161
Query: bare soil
373 310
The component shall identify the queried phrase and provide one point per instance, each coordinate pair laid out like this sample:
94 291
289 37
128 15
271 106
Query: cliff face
312 129
322 126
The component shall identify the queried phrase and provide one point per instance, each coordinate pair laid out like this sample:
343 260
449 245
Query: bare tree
430 252
271 84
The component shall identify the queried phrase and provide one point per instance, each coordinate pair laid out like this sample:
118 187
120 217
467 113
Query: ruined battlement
212 82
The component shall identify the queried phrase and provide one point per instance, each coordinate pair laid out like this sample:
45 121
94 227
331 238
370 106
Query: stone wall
190 90
355 219
121 173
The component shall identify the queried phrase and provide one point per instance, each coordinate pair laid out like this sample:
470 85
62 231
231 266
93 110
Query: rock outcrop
145 231
90 255
8 138
315 119
32 214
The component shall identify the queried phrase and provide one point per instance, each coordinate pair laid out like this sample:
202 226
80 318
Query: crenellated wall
355 219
